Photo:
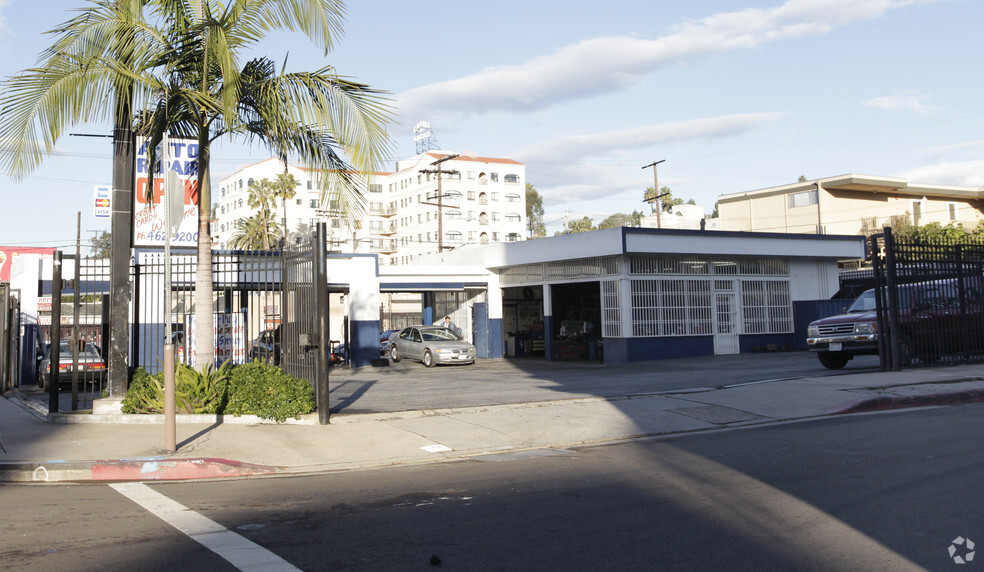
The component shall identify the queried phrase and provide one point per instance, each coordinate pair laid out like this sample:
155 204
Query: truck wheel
833 360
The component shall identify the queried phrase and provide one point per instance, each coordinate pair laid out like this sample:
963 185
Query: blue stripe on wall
496 344
625 350
364 342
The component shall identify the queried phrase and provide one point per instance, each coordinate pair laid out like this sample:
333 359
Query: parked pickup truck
933 322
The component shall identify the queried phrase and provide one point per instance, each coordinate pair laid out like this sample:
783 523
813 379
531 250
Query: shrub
263 390
248 389
194 391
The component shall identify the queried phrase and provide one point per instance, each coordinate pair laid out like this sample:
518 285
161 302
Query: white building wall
483 202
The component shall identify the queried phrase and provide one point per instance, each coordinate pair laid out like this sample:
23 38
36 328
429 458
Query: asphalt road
889 491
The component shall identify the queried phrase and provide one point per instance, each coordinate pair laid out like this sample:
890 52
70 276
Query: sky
732 96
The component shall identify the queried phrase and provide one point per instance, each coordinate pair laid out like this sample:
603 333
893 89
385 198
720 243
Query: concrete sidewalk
86 447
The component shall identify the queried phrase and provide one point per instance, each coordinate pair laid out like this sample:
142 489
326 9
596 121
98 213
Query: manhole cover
717 414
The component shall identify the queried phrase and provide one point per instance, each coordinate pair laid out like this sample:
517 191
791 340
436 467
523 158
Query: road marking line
240 552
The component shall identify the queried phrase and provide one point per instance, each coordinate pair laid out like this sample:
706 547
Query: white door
725 323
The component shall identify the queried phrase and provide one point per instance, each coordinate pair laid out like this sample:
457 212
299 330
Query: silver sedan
431 345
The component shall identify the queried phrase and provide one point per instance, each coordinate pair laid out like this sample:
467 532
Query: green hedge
248 389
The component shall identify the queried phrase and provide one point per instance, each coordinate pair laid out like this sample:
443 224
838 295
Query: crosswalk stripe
240 552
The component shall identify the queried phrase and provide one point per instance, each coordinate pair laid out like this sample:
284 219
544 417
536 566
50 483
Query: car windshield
864 303
439 334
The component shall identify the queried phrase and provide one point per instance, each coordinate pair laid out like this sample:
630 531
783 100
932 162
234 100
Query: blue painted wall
496 345
548 336
364 342
747 343
624 350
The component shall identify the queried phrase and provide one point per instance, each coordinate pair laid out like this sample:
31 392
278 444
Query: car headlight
865 328
812 331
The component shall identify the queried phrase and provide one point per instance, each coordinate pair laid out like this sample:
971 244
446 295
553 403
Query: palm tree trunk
204 332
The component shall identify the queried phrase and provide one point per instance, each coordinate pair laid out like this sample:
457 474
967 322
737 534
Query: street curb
885 403
151 469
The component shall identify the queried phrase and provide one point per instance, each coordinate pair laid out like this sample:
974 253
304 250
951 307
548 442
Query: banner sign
230 338
102 202
148 212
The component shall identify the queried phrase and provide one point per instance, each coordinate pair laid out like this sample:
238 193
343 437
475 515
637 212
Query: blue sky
734 96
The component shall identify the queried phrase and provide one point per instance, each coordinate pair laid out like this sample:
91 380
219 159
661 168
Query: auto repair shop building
652 293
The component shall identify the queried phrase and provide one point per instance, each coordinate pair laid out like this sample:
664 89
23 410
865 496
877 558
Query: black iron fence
930 301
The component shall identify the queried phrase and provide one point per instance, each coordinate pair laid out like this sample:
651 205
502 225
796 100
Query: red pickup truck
933 321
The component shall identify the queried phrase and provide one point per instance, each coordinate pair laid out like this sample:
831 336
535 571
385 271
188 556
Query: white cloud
609 142
958 173
610 64
908 101
5 32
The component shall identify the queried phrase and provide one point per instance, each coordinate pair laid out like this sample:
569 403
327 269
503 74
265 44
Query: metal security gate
304 327
930 301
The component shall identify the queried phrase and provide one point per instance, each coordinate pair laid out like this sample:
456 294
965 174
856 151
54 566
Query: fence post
893 301
54 341
320 285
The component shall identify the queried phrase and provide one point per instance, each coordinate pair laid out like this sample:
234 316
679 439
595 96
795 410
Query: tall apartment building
481 200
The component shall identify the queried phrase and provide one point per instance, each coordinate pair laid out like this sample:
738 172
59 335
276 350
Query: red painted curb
887 403
175 469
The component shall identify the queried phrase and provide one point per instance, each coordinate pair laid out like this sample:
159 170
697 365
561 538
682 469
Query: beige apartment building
848 205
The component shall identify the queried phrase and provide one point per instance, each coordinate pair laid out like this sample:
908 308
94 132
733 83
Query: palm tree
261 196
185 76
285 188
253 233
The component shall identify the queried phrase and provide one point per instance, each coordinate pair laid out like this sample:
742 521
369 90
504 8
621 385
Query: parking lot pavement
409 386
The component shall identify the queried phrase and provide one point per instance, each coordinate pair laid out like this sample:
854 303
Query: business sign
9 255
180 169
101 202
230 338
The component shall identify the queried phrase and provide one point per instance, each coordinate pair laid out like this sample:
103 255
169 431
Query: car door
414 344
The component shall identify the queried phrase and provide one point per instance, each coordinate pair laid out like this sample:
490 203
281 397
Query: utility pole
659 222
440 197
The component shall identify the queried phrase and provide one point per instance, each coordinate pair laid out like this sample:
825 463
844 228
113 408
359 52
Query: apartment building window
453 196
375 188
223 192
495 217
513 217
495 237
802 199
375 207
453 235
512 237
483 218
471 215
471 175
250 183
511 179
454 214
952 211
483 238
309 186
483 179
471 235
513 198
495 197
483 199
471 195
223 210
376 225
240 183
313 203
494 177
